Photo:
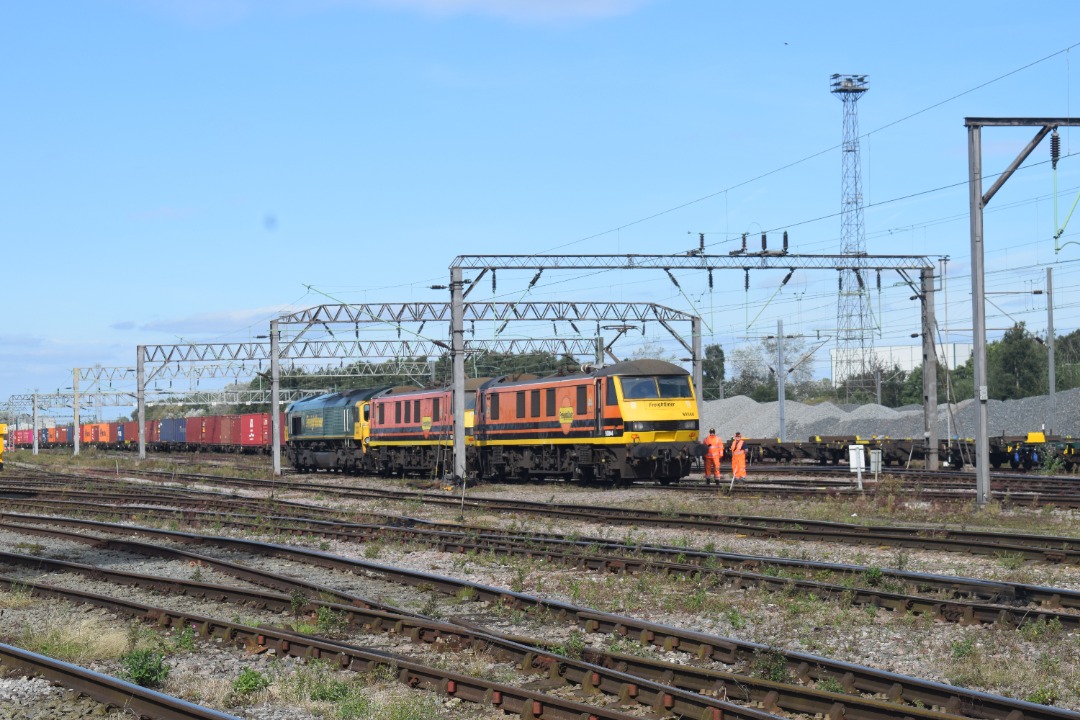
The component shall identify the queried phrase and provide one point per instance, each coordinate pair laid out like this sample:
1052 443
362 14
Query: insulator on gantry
746 280
1055 149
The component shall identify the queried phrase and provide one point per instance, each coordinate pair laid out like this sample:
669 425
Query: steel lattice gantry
49 401
694 260
299 348
978 201
397 314
227 360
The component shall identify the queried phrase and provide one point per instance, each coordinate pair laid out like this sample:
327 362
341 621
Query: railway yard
323 595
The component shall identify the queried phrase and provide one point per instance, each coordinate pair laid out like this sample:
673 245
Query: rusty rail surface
1053 549
107 690
530 654
802 666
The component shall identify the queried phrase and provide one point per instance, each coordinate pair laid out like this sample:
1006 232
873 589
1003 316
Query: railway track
953 599
1042 548
1027 546
109 691
611 673
173 504
892 695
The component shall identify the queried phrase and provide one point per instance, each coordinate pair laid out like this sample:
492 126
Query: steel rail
803 666
1002 602
107 690
530 654
1048 542
1006 496
1012 594
526 703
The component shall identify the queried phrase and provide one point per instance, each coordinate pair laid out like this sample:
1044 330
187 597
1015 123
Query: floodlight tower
853 359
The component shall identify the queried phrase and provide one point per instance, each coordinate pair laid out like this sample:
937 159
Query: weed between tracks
68 633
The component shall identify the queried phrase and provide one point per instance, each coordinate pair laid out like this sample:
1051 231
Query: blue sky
187 168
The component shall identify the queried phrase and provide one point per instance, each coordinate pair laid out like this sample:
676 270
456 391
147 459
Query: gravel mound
1011 417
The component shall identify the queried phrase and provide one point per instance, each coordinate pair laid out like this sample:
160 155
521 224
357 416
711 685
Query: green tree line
1017 367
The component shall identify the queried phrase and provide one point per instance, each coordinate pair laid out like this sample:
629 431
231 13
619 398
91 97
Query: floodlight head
848 84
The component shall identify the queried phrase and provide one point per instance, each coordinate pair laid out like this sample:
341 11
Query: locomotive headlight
688 425
635 427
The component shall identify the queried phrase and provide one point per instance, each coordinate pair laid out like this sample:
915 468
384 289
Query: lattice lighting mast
853 359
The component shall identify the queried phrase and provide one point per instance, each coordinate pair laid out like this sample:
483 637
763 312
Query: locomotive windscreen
662 386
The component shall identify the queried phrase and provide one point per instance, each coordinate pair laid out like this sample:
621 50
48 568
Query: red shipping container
114 432
229 430
131 433
252 429
221 430
153 431
193 431
210 429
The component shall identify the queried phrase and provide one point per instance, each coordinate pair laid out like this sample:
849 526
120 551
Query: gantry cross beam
398 314
49 401
693 260
301 348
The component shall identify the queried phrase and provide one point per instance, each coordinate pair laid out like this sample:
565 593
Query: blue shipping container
173 430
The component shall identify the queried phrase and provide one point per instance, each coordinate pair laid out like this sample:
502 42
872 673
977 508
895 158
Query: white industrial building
909 357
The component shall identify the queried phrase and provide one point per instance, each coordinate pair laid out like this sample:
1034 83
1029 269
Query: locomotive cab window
582 399
397 412
435 410
493 406
382 414
408 412
367 413
610 397
521 404
534 403
297 425
416 411
549 402
674 386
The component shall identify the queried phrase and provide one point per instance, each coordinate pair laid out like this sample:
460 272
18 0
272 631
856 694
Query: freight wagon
250 433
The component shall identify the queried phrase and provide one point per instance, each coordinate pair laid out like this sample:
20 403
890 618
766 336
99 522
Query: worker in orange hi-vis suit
714 452
738 459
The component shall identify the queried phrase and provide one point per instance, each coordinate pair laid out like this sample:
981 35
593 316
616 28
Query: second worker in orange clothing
738 458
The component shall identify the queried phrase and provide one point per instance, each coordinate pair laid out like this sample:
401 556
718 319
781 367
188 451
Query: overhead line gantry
692 260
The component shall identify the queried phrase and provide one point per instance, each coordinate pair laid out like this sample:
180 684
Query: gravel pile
762 420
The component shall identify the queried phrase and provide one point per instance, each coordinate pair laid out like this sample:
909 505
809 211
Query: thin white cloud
514 10
227 12
232 322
